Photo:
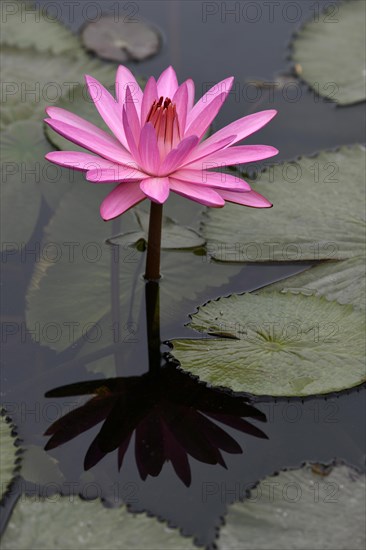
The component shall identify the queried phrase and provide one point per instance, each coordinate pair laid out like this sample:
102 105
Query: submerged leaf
329 52
318 213
279 344
74 286
174 235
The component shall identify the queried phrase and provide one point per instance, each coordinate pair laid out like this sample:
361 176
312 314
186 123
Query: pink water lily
157 144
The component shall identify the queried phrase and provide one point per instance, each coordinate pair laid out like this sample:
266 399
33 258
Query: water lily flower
158 145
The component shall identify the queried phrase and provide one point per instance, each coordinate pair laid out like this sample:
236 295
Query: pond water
135 378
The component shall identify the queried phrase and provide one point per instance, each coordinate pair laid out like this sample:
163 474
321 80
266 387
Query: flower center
163 116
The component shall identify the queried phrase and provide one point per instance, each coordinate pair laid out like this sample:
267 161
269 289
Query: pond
221 406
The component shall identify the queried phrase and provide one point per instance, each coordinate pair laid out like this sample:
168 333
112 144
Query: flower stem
152 271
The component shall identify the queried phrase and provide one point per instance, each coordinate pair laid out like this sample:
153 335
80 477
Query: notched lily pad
344 282
7 455
121 39
25 25
174 235
300 510
329 52
37 524
279 344
318 213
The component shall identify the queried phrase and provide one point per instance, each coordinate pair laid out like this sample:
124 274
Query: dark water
256 438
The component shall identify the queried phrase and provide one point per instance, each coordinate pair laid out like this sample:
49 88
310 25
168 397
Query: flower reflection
171 415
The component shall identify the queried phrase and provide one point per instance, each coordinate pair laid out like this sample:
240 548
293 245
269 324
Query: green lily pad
74 286
22 151
318 213
329 52
342 281
27 26
174 235
300 510
279 344
25 177
7 456
32 80
40 524
121 39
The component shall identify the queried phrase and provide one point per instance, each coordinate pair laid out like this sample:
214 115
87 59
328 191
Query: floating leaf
174 235
74 286
7 456
25 176
278 344
121 39
34 80
22 149
318 213
329 52
36 523
27 26
341 281
300 510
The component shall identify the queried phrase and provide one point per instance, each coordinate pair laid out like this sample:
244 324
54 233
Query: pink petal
62 115
132 116
148 149
191 93
200 124
235 155
181 102
78 161
125 78
108 108
222 87
243 127
117 173
204 150
150 95
157 189
108 147
206 196
167 83
176 157
123 197
132 144
212 179
251 198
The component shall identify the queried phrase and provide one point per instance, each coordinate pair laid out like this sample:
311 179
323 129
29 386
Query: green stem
152 272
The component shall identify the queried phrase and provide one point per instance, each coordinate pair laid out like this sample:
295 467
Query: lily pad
278 344
40 524
121 39
7 456
22 150
342 281
300 510
329 52
318 213
72 283
33 80
25 25
25 176
174 235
